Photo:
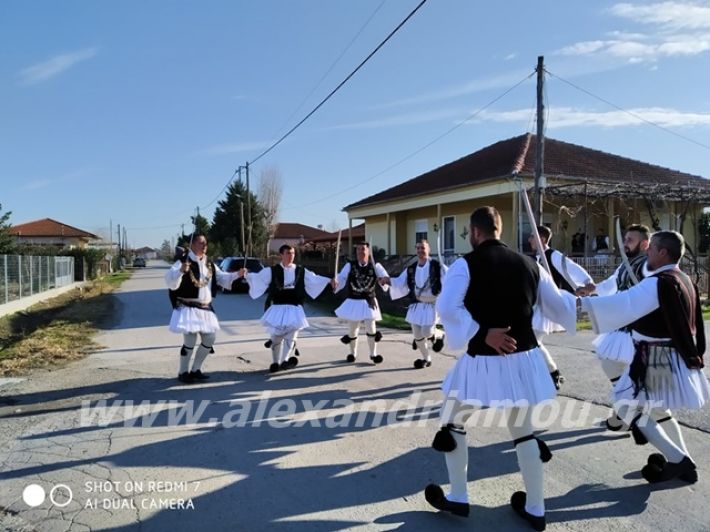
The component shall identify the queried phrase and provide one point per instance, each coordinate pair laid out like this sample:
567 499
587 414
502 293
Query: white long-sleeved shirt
612 312
173 278
400 288
342 277
557 305
259 282
579 275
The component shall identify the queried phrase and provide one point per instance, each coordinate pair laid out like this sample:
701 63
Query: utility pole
118 230
540 142
248 209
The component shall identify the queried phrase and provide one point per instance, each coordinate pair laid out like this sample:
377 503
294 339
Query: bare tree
270 192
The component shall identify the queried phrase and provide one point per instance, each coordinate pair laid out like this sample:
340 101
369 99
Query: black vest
501 293
560 281
187 289
278 295
362 281
434 278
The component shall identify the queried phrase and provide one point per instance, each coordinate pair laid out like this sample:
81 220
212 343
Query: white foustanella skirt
669 384
518 379
282 319
193 320
615 345
422 314
358 310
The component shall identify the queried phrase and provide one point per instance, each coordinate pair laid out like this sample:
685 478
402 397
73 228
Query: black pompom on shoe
198 375
421 363
293 361
438 344
557 379
684 470
268 343
517 502
350 358
377 359
186 378
273 368
434 495
614 423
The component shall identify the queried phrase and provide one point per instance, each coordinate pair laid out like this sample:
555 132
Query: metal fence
23 276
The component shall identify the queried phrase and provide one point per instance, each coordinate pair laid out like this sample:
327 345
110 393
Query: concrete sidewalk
325 446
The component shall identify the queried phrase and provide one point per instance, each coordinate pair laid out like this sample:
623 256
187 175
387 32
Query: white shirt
173 278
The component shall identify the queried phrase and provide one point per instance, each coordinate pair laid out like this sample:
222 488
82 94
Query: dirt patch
57 331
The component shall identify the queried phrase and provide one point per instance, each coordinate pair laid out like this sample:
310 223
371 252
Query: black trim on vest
557 277
434 278
278 295
501 293
362 281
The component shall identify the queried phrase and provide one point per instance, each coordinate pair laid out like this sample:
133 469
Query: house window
421 228
449 235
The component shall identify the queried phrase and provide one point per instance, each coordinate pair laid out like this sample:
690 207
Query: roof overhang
478 189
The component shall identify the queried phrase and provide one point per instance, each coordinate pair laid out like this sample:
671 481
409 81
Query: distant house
49 232
147 253
586 190
356 234
294 234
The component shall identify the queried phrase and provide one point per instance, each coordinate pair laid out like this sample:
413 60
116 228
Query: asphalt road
325 446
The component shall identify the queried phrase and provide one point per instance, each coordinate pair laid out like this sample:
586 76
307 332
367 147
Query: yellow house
586 190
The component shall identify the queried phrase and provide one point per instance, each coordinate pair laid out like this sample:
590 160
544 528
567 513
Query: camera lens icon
60 495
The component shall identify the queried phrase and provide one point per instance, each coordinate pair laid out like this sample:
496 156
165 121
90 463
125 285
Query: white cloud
52 67
668 15
37 184
677 29
234 147
510 56
560 117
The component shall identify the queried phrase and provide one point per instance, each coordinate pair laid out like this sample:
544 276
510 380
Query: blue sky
138 112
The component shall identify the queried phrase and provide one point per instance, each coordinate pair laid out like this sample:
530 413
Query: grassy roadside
54 332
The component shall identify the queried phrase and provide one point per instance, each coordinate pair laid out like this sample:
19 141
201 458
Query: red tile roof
48 227
295 230
358 232
517 156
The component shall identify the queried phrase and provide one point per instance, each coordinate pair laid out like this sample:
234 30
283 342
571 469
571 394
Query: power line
419 150
631 113
221 191
336 89
317 85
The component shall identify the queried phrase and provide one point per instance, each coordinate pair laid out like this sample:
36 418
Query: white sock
657 437
200 356
520 425
372 345
188 342
551 366
424 348
671 427
457 465
276 348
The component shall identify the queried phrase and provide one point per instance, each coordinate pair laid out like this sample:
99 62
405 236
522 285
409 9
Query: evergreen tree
7 241
226 228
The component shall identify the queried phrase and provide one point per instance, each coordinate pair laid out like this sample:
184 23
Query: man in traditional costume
486 306
192 283
568 276
287 286
666 373
616 349
360 277
422 282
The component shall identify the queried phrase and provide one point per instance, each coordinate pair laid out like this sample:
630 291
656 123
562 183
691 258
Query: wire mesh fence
24 276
